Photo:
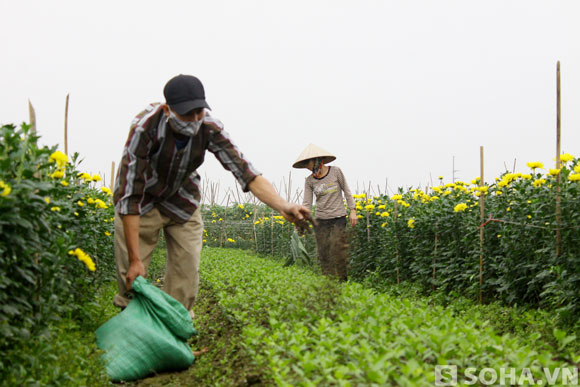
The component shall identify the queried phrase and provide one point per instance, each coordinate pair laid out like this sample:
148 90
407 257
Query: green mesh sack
150 335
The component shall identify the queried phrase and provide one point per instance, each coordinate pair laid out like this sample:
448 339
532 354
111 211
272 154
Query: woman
328 184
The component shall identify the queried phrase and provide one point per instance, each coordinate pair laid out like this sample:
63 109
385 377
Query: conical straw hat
312 151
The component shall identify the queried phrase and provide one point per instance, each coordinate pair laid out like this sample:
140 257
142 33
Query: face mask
316 168
187 128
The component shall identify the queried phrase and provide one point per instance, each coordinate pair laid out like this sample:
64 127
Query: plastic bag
150 335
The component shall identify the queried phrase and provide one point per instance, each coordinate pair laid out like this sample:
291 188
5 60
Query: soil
225 362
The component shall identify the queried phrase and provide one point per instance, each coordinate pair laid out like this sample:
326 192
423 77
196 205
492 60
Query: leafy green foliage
434 240
245 226
42 222
309 330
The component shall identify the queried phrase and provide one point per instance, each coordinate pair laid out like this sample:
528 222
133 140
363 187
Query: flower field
528 252
55 242
420 261
436 239
302 329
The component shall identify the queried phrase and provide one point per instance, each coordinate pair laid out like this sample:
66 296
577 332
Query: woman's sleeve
307 201
344 186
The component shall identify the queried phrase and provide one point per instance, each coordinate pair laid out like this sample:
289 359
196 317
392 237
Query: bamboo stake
396 215
224 221
272 232
32 117
481 217
289 185
368 226
435 256
113 175
66 126
558 179
254 227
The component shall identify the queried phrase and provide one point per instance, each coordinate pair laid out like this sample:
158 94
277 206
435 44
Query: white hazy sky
397 90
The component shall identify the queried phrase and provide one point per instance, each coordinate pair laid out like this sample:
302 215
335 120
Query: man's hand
353 218
135 269
299 215
295 213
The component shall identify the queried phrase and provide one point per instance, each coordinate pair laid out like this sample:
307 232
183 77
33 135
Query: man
157 187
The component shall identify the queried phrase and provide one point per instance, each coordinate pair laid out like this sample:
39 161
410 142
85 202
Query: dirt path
225 363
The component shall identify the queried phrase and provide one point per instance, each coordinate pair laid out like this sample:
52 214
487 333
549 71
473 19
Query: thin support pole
32 117
396 215
435 256
66 125
113 175
481 217
558 178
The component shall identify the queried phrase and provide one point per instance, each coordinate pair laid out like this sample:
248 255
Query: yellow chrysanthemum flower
55 209
64 183
6 189
411 223
397 197
535 164
59 158
107 191
100 204
231 240
107 233
382 207
460 207
47 200
385 214
57 174
241 206
84 258
574 177
566 157
538 182
85 176
369 207
96 178
80 203
554 171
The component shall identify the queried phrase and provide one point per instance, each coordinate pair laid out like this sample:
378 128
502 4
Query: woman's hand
353 217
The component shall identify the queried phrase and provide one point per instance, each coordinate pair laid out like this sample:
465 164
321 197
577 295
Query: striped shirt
328 191
155 173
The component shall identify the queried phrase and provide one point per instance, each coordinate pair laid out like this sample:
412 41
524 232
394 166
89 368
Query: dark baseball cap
183 93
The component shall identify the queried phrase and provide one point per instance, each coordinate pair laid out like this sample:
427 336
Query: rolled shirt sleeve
130 182
228 154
